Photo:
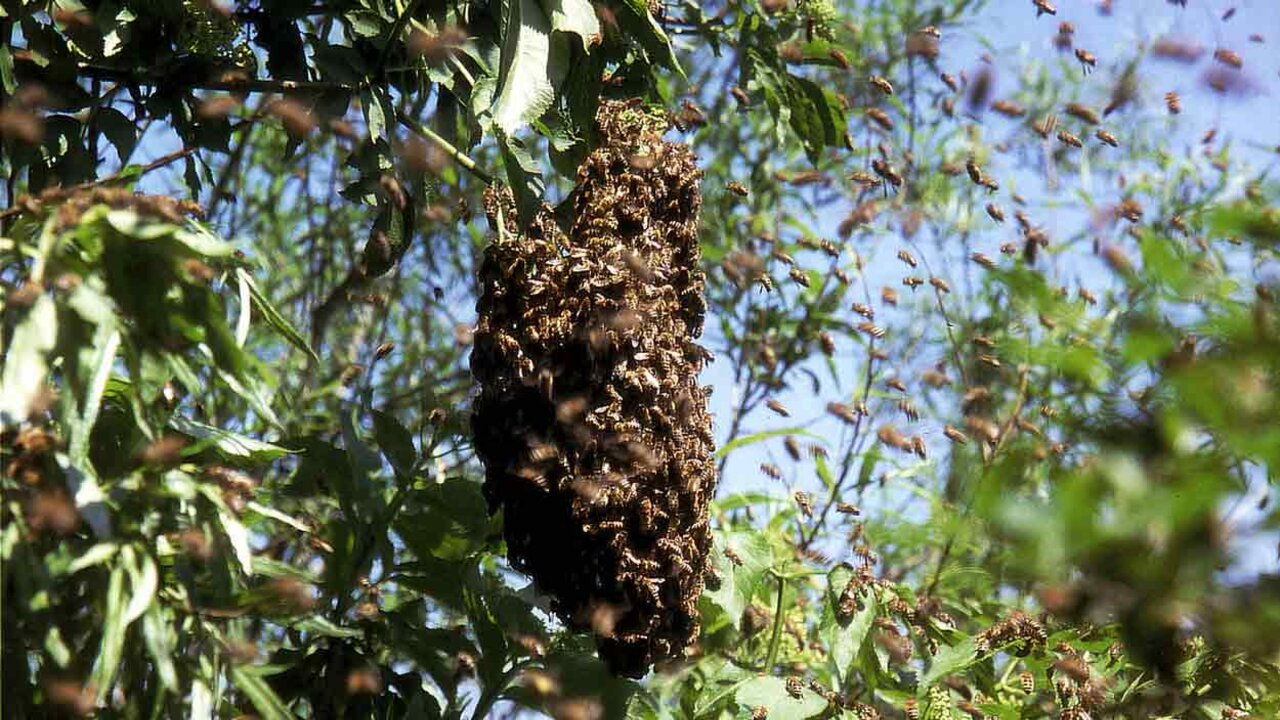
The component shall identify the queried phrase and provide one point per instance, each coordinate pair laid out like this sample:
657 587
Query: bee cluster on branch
592 428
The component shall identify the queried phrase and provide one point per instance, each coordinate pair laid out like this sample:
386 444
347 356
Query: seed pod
638 433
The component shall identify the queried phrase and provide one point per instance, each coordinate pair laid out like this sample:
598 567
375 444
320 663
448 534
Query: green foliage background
237 475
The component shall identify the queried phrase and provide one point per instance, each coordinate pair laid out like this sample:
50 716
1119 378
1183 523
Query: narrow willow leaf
159 642
143 582
273 317
229 445
246 314
318 625
762 436
111 648
264 699
25 365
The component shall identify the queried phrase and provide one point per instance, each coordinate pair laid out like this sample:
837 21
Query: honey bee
1047 322
975 172
1008 108
1209 135
1044 7
805 501
865 311
828 343
940 285
737 188
1068 139
842 411
793 448
995 212
1045 125
889 436
896 384
881 84
907 258
842 276
889 296
919 448
983 260
733 556
1177 223
1028 426
909 410
759 712
771 470
991 360
860 407
1008 248
829 248
839 58
1088 61
794 688
740 96
777 407
1027 681
1082 112
1107 138
886 171
864 179
384 350
873 330
1229 58
1088 297
766 282
880 117
351 374
845 508
1173 103
955 435
817 451
912 281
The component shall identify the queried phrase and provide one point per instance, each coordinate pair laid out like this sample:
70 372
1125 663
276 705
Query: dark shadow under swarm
590 422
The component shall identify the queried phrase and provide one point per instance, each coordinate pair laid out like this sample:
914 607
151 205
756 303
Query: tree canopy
306 370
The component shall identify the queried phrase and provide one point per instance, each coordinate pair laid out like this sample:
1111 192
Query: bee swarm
592 428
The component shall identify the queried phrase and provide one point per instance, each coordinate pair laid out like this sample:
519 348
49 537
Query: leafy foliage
1001 338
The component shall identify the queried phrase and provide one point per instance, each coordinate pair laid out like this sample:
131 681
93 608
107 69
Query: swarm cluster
590 422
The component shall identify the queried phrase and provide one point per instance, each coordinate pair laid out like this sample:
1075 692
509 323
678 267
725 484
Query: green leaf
951 659
523 175
574 16
738 583
318 625
111 648
120 130
7 81
815 116
762 436
637 21
771 694
230 446
264 699
273 317
157 635
530 73
25 365
395 441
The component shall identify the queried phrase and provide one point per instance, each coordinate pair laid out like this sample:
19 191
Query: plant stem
454 153
776 638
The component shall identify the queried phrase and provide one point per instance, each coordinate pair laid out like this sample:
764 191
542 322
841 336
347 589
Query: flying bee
1068 139
771 470
975 172
793 448
1047 322
842 411
1083 112
991 360
384 350
829 249
888 435
1008 248
1008 108
865 311
955 435
907 258
1088 297
350 375
982 341
1045 125
912 281
839 58
889 296
860 407
983 260
881 84
864 179
1107 138
737 188
879 354
940 285
777 407
828 343
817 451
950 82
1209 135
886 171
1028 426
1229 58
805 501
766 282
919 448
1088 61
842 276
908 409
1044 7
733 556
740 96
871 329
896 384
1173 103
845 508
880 117
1177 223
995 212
949 107
799 277
778 254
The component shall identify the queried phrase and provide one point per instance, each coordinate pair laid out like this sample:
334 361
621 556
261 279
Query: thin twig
454 153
